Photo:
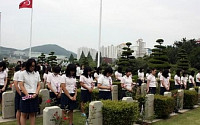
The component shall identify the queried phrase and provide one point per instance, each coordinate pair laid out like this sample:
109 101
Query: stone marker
13 88
48 114
180 98
8 105
45 96
191 89
168 94
114 92
95 113
42 85
128 99
143 89
149 106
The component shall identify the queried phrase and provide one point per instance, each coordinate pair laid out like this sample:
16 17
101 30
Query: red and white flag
26 4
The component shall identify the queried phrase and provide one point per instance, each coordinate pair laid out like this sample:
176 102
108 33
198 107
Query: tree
71 58
42 58
52 59
158 58
183 63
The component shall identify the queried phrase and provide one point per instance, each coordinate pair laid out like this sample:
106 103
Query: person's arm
16 87
148 82
37 90
5 83
63 86
21 85
50 87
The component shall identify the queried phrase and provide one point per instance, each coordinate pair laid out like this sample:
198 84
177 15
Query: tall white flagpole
98 63
31 32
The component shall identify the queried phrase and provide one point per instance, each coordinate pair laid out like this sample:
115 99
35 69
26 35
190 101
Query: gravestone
149 106
8 105
44 93
180 98
143 89
168 94
13 88
114 92
49 114
42 85
128 99
191 89
95 113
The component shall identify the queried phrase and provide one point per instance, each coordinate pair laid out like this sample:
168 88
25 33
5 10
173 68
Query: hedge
190 99
163 106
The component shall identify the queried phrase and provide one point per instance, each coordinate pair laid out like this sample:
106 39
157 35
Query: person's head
19 63
165 73
17 68
119 69
87 71
71 70
108 71
184 74
48 69
56 70
148 71
141 70
128 72
99 70
178 73
31 65
153 71
192 73
23 66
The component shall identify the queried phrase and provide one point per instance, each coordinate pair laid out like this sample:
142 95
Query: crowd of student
63 86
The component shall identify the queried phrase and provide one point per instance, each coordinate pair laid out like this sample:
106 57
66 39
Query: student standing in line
18 90
118 74
164 82
141 76
30 86
3 80
46 73
54 82
98 73
191 80
127 84
177 79
184 80
105 84
151 82
198 79
87 86
69 91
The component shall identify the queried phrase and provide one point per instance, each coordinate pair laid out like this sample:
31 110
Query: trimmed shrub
163 106
190 99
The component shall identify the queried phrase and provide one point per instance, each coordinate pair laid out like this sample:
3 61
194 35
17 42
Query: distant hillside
51 47
6 49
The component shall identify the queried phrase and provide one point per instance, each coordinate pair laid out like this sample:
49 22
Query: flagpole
98 63
31 33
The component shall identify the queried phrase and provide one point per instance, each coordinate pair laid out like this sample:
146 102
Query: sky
75 23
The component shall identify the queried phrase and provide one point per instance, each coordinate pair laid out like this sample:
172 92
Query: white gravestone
42 85
149 106
8 105
143 89
168 94
180 98
95 113
128 99
50 113
191 89
45 96
114 92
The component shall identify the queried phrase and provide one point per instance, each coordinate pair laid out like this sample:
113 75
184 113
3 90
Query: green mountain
46 49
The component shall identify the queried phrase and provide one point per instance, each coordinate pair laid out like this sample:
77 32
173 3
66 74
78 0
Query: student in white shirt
177 79
141 76
105 84
151 82
18 70
160 74
127 84
3 79
184 80
54 82
147 74
30 86
69 91
118 74
46 73
198 79
164 82
87 86
191 80
98 73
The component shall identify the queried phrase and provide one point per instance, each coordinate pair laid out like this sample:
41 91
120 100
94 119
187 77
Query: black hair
165 73
2 65
86 70
23 64
140 70
107 70
48 69
152 69
119 69
148 71
192 73
56 69
98 70
128 70
184 73
17 68
178 73
29 64
70 67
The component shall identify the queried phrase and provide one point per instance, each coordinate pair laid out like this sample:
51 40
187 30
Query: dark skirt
177 86
198 83
126 93
86 96
29 105
1 86
17 101
67 103
55 98
191 85
139 82
105 95
152 90
162 90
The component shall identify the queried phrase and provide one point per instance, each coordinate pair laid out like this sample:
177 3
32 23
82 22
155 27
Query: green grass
187 118
78 120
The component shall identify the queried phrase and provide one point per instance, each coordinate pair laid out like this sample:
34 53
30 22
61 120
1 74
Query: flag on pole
26 4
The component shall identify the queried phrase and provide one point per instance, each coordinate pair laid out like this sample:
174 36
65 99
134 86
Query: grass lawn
78 120
188 118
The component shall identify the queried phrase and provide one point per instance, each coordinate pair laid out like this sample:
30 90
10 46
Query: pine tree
41 58
182 63
71 58
52 59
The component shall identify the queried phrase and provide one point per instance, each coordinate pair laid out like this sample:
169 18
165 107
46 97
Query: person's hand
147 90
3 89
71 98
34 96
90 90
74 98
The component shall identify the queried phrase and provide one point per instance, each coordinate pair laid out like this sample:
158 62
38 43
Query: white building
139 48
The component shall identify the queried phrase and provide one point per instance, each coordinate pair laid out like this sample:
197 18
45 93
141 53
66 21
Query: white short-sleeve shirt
119 75
197 76
30 80
159 75
97 76
70 83
152 80
177 78
184 80
165 80
16 76
87 81
191 79
141 75
3 75
55 81
105 81
127 81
